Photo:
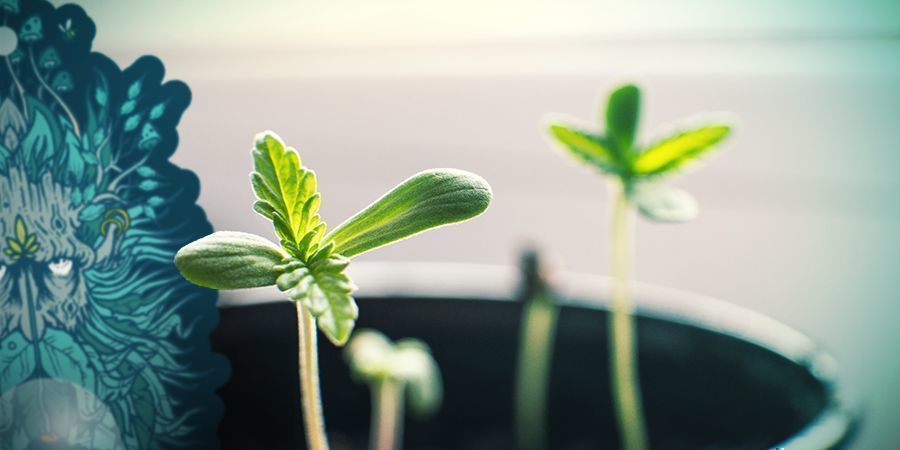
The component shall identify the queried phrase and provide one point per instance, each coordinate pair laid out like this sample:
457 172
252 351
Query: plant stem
538 332
310 396
387 415
622 340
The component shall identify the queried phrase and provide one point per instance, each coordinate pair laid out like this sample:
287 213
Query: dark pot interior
702 389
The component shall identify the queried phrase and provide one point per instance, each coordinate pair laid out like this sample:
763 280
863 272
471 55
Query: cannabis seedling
398 374
635 173
540 315
309 264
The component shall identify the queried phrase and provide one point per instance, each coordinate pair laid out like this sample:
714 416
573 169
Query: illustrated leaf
134 90
132 122
38 144
322 286
100 96
146 171
664 204
587 147
426 200
622 114
675 151
157 111
17 361
21 229
64 359
5 155
287 194
230 260
89 192
91 212
144 419
148 185
127 107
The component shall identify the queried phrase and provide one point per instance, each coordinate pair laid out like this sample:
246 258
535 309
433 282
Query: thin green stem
626 390
387 415
538 332
310 396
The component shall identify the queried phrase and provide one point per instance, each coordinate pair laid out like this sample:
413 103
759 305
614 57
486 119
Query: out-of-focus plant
398 374
536 336
309 263
635 173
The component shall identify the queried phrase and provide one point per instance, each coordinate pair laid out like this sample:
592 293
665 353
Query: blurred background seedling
401 376
635 183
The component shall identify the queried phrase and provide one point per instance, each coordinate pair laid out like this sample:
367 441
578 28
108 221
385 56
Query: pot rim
834 425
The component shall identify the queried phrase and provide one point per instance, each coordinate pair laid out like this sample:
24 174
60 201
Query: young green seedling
309 264
398 374
635 174
537 334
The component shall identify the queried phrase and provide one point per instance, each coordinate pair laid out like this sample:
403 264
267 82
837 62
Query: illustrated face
43 260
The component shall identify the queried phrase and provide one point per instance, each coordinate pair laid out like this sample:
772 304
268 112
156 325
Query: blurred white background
799 213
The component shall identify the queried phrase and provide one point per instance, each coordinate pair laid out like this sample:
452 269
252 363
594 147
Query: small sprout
398 374
640 168
32 30
537 334
635 171
309 264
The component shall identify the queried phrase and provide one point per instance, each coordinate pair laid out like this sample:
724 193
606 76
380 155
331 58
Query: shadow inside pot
705 386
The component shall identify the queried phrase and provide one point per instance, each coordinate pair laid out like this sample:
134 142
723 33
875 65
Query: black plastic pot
714 376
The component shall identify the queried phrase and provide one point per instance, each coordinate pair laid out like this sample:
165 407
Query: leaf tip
268 139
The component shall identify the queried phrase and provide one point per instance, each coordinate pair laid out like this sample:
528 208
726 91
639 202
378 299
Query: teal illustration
102 344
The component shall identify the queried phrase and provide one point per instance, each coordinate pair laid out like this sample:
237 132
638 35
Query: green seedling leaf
308 267
663 203
373 358
286 193
230 260
427 200
673 152
586 147
617 154
322 286
622 113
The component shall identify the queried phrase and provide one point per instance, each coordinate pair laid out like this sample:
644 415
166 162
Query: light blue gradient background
799 215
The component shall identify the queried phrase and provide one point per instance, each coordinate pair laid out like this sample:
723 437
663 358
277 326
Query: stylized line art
103 345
